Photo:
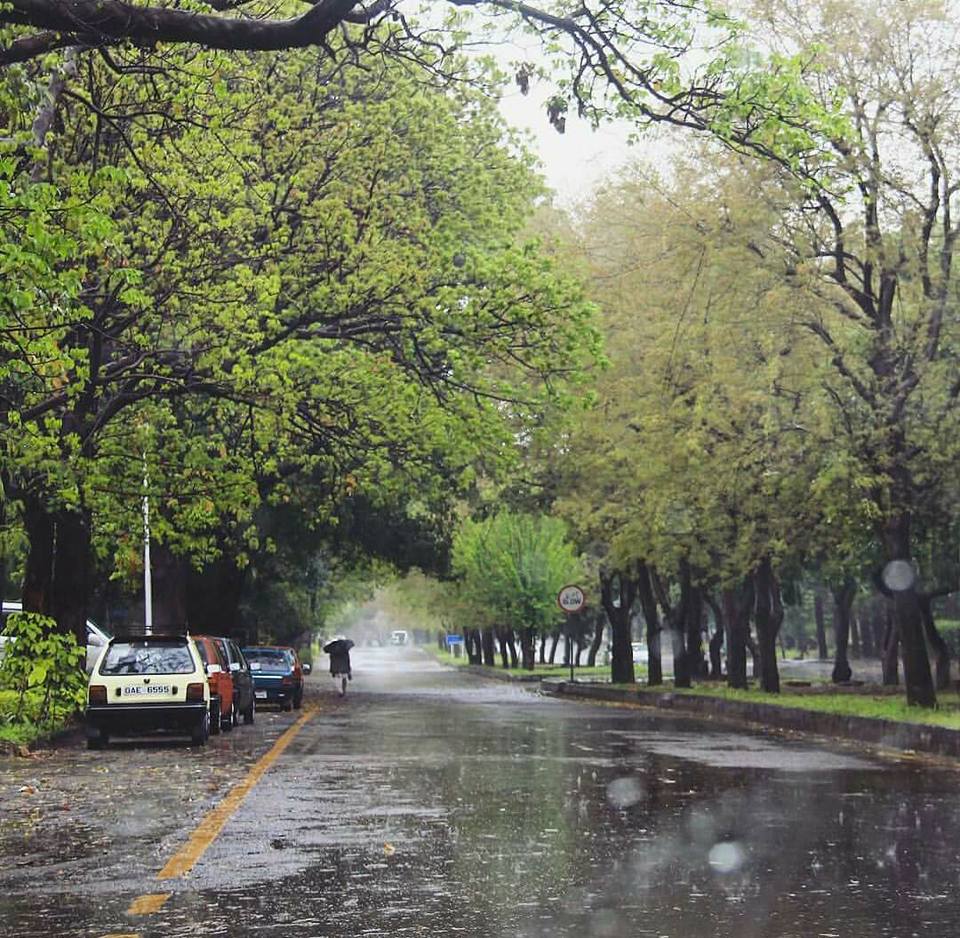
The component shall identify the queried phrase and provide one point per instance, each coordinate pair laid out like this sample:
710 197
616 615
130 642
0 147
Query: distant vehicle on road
147 683
399 637
97 638
277 675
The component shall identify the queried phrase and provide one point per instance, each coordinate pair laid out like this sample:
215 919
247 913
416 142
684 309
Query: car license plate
145 690
261 695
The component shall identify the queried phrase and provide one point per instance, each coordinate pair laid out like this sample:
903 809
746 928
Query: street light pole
147 580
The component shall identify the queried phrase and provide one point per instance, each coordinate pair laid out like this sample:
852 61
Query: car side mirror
234 665
306 668
213 669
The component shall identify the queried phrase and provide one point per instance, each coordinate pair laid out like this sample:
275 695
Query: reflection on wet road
434 803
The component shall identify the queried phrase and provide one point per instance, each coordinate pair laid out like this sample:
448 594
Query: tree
511 568
275 287
876 255
694 468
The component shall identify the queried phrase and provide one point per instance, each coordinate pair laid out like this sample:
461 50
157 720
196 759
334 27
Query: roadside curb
885 734
499 675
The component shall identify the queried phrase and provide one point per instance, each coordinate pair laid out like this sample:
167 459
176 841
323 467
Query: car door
97 640
242 678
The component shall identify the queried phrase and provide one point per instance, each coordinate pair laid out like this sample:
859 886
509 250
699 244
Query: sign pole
571 599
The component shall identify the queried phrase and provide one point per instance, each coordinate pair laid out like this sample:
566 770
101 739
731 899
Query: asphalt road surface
429 802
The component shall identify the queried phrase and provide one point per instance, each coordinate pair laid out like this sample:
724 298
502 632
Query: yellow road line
147 905
207 830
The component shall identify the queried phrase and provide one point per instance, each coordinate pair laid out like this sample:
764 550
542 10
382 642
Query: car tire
214 716
201 732
286 706
98 741
227 722
250 713
298 701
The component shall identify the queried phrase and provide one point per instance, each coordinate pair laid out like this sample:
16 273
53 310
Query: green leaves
511 568
43 667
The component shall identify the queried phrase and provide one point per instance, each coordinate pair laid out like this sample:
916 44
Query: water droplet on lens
726 857
624 792
899 575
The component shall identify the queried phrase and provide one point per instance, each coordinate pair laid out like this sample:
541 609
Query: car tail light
194 693
98 694
286 681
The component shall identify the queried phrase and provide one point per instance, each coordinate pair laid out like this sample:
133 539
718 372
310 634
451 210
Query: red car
222 711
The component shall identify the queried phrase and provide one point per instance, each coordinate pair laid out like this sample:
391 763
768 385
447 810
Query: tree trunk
769 613
891 649
543 647
843 595
504 654
674 618
474 646
868 620
908 617
648 604
171 578
822 651
693 625
38 573
716 640
855 640
70 588
528 648
597 639
737 601
212 600
488 647
512 645
939 646
617 593
554 641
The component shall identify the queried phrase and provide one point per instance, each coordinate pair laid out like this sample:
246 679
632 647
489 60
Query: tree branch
101 22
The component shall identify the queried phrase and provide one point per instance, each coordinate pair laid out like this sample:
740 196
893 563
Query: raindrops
726 858
623 793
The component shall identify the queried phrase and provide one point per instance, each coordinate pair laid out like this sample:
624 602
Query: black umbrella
339 646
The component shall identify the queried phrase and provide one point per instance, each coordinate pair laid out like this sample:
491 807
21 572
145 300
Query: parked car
97 638
244 699
148 683
277 675
398 637
222 707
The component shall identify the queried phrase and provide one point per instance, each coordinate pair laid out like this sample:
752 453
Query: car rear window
267 658
148 657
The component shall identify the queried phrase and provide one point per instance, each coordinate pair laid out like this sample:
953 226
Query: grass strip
860 703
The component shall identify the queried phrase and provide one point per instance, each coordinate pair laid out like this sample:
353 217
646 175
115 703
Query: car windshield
148 657
269 659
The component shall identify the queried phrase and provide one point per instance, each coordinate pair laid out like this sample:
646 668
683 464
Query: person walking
339 652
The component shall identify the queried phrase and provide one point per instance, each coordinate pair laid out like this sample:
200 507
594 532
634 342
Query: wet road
434 803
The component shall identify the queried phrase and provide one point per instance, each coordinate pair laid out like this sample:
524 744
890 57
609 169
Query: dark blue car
277 678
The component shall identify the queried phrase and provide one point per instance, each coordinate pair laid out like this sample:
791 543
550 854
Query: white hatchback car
147 683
